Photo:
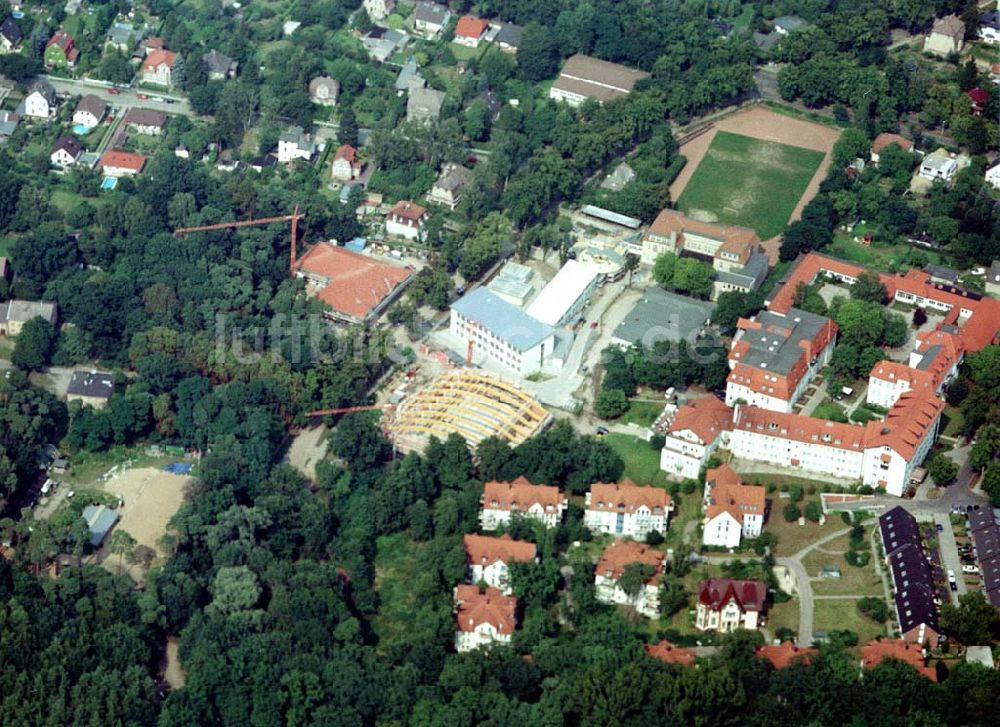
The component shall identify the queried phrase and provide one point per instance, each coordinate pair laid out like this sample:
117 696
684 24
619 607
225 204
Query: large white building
696 431
493 330
565 296
612 566
489 559
726 605
627 510
502 500
733 511
483 618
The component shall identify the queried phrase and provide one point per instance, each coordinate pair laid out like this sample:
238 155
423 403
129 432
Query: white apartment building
501 500
489 559
696 431
612 566
627 510
483 619
733 511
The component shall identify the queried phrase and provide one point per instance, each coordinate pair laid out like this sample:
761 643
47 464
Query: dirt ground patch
307 448
174 672
151 497
760 122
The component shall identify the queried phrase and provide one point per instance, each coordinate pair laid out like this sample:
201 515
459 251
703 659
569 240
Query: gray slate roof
25 310
100 520
215 62
44 88
431 13
663 316
505 321
93 104
91 384
11 31
779 353
750 275
509 34
424 102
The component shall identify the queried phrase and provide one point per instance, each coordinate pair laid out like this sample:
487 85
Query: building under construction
475 404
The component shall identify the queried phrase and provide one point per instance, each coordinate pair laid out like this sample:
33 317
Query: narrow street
126 97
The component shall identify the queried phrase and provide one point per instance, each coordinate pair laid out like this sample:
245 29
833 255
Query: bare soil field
307 448
761 123
151 497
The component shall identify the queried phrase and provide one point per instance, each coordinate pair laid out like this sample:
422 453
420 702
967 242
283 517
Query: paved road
128 97
950 559
804 636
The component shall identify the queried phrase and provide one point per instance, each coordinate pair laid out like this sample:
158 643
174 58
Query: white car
970 569
951 575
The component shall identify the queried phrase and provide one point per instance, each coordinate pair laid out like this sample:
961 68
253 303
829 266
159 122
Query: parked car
114 91
970 569
601 431
940 528
953 585
142 96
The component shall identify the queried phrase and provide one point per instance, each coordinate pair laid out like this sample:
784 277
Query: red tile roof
907 423
473 609
894 371
625 552
407 210
670 654
627 497
670 221
727 493
885 139
122 160
347 152
715 593
157 58
707 417
784 655
469 26
520 495
356 283
800 428
484 550
875 652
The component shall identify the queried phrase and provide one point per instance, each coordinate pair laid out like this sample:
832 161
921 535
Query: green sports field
749 182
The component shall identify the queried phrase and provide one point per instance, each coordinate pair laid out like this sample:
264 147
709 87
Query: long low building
912 580
585 78
564 297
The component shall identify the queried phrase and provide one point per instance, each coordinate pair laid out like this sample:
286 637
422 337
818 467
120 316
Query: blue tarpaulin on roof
178 468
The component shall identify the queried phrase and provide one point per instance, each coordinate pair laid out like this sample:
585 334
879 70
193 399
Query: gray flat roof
776 343
663 316
503 320
609 216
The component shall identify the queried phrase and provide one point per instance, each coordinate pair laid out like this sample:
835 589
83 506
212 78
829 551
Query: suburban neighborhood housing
733 511
615 563
15 313
583 77
627 510
91 388
483 617
503 500
489 559
697 429
727 605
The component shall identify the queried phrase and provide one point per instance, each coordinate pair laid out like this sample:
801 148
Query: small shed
100 519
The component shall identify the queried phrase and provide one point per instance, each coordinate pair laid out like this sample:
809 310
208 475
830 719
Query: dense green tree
33 347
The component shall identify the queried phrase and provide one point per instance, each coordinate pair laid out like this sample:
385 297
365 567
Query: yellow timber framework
475 404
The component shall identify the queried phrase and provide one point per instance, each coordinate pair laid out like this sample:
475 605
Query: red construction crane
348 410
293 218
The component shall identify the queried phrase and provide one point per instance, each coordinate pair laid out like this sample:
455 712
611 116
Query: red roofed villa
627 510
670 654
501 500
115 163
406 219
483 617
875 652
613 564
886 139
158 68
783 656
489 558
733 511
470 31
696 431
726 605
346 165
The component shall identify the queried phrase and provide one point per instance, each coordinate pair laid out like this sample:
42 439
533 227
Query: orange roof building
489 558
733 511
158 66
483 617
115 163
875 652
673 232
470 30
670 654
355 286
785 655
501 500
885 139
612 566
626 509
696 431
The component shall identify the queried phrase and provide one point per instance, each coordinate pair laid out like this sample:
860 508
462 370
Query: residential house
733 511
993 176
508 37
66 151
424 104
886 139
90 388
501 500
774 357
785 654
41 101
89 111
219 67
726 605
627 510
72 7
875 652
379 9
158 68
10 36
583 77
145 121
151 44
939 165
470 31
429 18
692 436
888 380
293 144
61 51
15 313
324 90
913 587
447 190
989 27
483 617
117 163
670 654
409 77
406 219
260 163
346 165
123 36
6 271
383 43
489 559
947 36
614 563
8 124
993 276
100 519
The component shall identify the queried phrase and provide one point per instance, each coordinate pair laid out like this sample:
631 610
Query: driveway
804 636
949 554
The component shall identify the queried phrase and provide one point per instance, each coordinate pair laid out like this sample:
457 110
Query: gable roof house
407 220
583 77
15 313
508 37
614 563
8 124
295 143
470 31
946 37
356 287
785 654
670 654
447 190
726 605
732 510
502 500
483 618
886 139
158 68
90 387
61 51
116 163
424 104
66 151
379 9
489 558
89 111
100 519
10 36
875 652
429 18
346 165
122 36
41 101
695 432
145 121
912 579
989 27
626 509
324 90
219 66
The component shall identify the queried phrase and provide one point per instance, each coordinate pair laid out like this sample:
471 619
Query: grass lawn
742 21
687 509
793 537
6 347
86 467
830 410
642 462
643 413
881 257
853 581
952 415
749 182
65 199
394 560
464 52
6 243
768 478
839 615
783 615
